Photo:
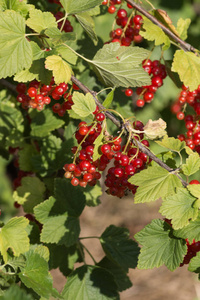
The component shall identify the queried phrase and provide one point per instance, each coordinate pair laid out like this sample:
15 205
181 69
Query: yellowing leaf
187 65
164 18
182 27
154 33
155 129
61 70
13 235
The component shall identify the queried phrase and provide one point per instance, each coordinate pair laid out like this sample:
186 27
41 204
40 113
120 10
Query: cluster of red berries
192 122
127 159
127 162
37 95
67 27
129 29
192 250
146 93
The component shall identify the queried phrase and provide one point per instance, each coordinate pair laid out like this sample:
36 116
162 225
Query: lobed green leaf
13 44
117 65
160 246
154 183
90 282
187 65
179 208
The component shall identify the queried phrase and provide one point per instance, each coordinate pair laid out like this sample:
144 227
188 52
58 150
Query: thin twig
8 85
185 46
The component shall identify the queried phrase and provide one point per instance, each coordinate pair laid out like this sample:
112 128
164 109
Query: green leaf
44 122
52 156
118 247
30 193
160 246
59 215
190 231
37 51
70 200
43 251
194 189
61 70
77 6
118 65
154 182
11 125
92 194
84 105
187 65
182 27
20 6
61 230
154 33
13 235
171 144
67 54
194 265
87 22
15 293
179 208
25 76
97 143
25 155
63 257
39 20
59 37
35 275
192 164
16 52
119 274
41 73
90 282
109 98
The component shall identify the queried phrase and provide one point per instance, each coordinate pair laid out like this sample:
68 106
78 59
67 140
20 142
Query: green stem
92 257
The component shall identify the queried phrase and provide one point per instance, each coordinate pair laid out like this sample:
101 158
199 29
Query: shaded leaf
118 247
77 6
90 282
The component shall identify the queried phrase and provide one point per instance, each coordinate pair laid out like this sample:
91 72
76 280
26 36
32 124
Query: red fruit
100 117
75 181
122 13
111 9
194 181
32 92
137 19
128 92
106 148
